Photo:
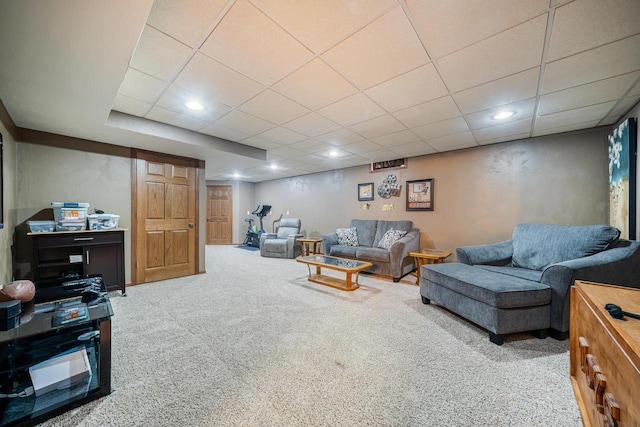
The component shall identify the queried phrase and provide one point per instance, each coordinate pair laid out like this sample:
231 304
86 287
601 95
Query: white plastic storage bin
103 221
41 226
70 216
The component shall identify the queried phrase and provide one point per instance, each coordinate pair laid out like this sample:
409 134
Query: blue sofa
394 262
523 284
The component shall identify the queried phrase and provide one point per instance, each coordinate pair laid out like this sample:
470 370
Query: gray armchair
284 243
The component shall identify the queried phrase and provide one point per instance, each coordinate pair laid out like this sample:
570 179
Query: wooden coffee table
348 266
426 256
310 245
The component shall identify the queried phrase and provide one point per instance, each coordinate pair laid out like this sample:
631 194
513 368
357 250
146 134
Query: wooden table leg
348 280
420 262
316 247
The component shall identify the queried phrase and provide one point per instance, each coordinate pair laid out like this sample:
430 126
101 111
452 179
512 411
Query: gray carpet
253 343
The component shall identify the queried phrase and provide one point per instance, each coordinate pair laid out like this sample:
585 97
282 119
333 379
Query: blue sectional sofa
523 284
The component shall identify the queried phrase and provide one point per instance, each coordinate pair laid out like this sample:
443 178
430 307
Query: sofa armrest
400 249
329 240
617 266
491 254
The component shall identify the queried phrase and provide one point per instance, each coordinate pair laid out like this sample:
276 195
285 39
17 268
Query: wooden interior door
219 215
165 217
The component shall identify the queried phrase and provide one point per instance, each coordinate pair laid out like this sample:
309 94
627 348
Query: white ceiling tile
175 119
263 144
380 156
504 138
397 138
608 121
310 145
624 105
413 149
252 44
377 127
441 128
244 122
600 63
310 158
315 85
165 66
131 106
273 107
312 124
340 137
499 92
210 78
507 53
361 147
282 135
286 152
412 88
449 25
585 24
141 86
429 112
482 119
635 91
453 142
564 128
321 24
224 133
588 94
503 130
382 50
174 99
579 115
185 20
354 109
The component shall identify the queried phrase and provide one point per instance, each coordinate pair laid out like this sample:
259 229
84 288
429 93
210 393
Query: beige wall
52 174
480 193
9 197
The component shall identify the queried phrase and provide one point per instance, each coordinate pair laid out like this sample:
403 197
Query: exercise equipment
253 236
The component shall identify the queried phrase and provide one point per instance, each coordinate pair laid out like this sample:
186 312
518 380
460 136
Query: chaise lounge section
523 284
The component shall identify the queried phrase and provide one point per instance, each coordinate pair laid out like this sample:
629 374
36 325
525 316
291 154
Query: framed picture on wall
420 195
622 178
365 191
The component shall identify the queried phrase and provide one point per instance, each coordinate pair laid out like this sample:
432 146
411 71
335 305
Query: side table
435 256
310 245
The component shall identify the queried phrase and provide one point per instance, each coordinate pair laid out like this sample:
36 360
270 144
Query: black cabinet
80 253
39 340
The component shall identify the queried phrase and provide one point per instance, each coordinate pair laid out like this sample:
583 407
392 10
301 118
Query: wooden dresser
605 355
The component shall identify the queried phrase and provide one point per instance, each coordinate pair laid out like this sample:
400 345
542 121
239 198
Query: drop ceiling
284 83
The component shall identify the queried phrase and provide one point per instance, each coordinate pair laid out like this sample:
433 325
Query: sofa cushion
523 273
390 238
372 254
366 230
536 246
496 290
344 251
384 226
347 236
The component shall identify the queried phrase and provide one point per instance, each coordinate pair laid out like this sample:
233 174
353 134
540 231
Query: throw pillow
347 236
390 238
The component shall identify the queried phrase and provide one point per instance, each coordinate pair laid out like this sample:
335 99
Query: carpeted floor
253 343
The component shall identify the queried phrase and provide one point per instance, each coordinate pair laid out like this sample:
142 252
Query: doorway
219 215
165 217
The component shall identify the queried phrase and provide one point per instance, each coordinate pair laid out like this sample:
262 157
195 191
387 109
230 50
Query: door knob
191 225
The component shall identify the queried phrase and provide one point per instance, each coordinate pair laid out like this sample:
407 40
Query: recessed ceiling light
503 115
236 175
274 166
334 153
194 105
